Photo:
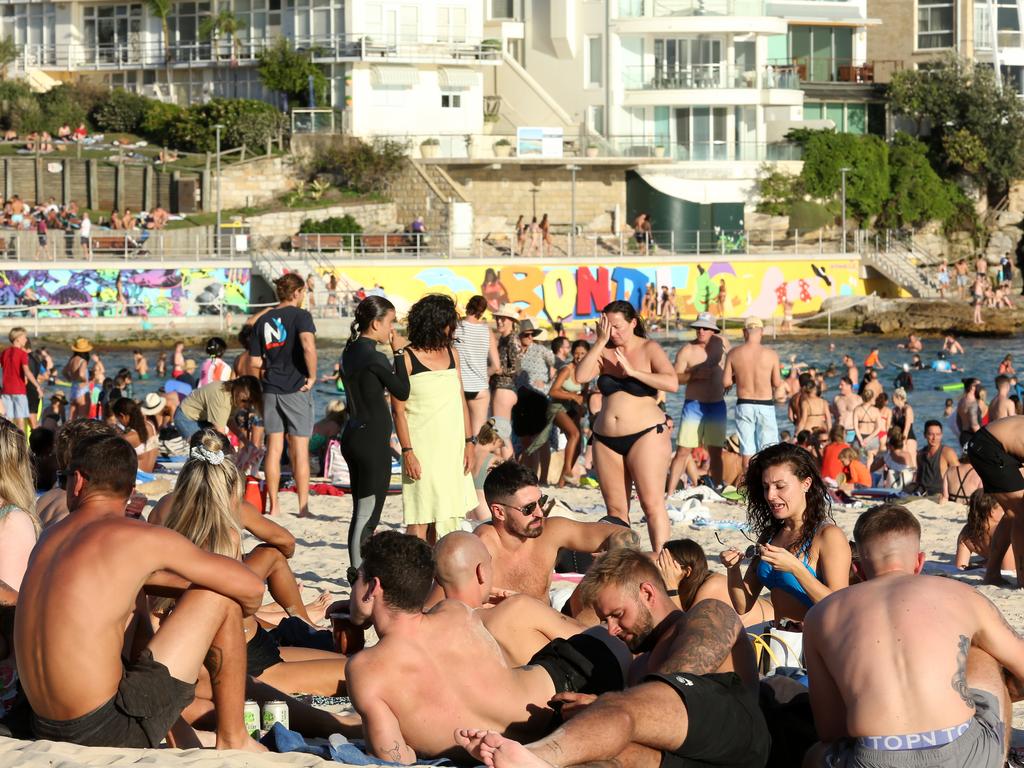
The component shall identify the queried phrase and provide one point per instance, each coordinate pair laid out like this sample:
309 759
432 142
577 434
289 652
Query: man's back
523 625
449 672
896 648
752 369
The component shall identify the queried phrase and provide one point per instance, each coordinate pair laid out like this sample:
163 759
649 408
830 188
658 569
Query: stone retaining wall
374 217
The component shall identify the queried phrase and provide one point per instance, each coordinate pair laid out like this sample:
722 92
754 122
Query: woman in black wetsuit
366 442
630 444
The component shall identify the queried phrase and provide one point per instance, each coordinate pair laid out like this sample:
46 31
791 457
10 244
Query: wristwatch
471 440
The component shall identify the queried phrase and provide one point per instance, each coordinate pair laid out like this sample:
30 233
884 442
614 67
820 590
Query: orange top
857 474
871 360
830 464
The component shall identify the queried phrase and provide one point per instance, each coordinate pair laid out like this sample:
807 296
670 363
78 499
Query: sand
321 559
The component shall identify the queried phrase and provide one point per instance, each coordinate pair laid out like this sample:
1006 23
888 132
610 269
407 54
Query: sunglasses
351 575
749 552
544 503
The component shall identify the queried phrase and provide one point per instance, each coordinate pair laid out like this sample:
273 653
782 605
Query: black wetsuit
366 442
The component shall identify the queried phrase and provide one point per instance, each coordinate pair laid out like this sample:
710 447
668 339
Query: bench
391 241
110 245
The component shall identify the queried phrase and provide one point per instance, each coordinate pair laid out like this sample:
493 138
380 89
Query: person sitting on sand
140 433
960 481
895 466
432 672
996 452
205 509
521 624
901 638
693 696
975 538
86 577
524 542
684 567
934 460
855 474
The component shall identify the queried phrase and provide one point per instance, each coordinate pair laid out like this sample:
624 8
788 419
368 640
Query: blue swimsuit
773 579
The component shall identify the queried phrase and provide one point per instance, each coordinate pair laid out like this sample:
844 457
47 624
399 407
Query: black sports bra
609 385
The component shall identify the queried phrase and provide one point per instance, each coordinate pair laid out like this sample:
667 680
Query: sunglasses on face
544 503
351 575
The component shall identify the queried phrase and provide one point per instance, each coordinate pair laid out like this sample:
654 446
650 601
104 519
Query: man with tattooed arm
693 700
909 670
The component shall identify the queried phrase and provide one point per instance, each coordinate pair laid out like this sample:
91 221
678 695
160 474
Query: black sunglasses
351 575
544 503
749 552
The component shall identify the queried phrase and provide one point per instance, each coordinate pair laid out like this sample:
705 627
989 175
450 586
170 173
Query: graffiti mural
570 293
142 292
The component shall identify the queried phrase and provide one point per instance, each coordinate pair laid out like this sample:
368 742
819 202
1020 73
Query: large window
451 24
317 21
820 52
261 23
935 24
594 61
689 62
33 27
112 32
595 118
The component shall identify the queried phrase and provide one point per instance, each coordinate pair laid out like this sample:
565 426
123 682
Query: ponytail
370 309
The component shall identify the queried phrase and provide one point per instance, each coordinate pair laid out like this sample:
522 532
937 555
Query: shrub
64 105
158 118
122 112
918 194
284 70
361 167
777 190
867 181
807 216
335 225
245 121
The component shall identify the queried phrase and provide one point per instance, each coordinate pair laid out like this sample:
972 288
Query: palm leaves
224 23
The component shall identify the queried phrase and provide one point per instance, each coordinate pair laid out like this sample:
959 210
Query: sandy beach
321 558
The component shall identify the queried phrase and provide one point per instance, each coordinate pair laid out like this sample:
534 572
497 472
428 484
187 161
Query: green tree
225 23
162 10
286 70
867 181
918 195
969 123
9 51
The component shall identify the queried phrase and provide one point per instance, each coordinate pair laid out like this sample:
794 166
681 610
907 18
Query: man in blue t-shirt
283 351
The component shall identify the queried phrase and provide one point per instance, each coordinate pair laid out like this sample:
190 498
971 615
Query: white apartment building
391 63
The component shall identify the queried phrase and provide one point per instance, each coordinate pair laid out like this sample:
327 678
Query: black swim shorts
998 470
583 663
147 703
724 722
261 653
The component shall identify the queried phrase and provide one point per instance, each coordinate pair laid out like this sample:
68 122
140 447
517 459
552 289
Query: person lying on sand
523 542
693 698
932 649
87 581
996 452
521 624
433 671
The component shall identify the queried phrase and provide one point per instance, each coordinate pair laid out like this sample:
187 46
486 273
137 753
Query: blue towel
144 477
280 739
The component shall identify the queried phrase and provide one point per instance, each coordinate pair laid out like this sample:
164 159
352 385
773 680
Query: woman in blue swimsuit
630 444
802 555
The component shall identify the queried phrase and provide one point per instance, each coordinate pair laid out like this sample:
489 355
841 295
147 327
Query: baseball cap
753 322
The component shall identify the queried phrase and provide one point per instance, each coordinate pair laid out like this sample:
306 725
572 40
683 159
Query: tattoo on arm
395 753
706 641
960 678
214 662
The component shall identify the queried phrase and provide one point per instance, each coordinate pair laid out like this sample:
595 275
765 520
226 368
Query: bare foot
274 512
317 609
496 751
248 744
304 512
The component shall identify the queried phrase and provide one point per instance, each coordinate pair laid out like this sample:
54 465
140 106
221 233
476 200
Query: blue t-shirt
276 340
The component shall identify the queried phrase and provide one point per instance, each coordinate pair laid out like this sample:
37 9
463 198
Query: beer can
275 712
251 717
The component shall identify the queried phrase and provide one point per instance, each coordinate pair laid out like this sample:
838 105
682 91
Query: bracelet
406 450
673 593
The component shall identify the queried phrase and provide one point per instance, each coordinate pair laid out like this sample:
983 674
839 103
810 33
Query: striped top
474 341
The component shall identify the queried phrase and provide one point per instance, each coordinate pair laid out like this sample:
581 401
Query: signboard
539 142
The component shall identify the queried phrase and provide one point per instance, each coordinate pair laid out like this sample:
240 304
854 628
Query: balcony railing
832 69
700 151
658 78
658 8
132 55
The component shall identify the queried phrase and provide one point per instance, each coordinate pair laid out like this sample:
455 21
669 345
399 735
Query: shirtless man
1001 405
951 346
87 581
757 374
699 365
852 373
432 672
996 452
523 543
968 410
693 699
521 624
843 406
929 647
934 460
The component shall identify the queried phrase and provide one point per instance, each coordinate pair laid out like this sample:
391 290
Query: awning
394 77
451 78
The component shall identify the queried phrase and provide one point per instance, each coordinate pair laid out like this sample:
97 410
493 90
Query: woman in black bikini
629 444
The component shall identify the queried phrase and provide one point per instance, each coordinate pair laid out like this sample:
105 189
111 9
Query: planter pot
429 150
592 151
503 150
659 151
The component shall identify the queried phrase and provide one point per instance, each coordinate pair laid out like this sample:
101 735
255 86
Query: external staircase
897 263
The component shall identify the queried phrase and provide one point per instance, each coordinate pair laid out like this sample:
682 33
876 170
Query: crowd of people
645 658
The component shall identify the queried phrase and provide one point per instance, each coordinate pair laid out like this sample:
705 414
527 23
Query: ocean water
981 358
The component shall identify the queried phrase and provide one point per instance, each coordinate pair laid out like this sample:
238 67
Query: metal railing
661 77
701 151
656 8
837 69
134 54
123 245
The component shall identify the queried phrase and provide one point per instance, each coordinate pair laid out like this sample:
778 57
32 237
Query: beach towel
932 568
339 749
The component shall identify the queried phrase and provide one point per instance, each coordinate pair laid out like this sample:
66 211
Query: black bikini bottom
621 444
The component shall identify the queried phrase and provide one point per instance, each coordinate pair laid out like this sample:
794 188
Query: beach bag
530 413
778 648
172 443
335 466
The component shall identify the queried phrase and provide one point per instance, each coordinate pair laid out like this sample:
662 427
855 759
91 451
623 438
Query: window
451 101
594 61
935 24
595 118
451 24
503 9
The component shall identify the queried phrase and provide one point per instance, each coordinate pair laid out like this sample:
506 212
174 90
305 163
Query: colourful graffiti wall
566 293
145 292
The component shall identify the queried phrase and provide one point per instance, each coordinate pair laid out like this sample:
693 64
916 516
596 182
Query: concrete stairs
895 264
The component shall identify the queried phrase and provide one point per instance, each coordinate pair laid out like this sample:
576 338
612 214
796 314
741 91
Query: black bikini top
609 385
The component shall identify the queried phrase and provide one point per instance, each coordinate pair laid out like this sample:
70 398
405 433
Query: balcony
324 48
697 17
704 76
836 70
631 9
700 151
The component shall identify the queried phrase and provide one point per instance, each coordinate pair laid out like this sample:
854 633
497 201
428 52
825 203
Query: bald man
521 624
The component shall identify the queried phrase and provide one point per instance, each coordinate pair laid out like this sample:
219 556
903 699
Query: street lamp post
218 128
844 171
572 211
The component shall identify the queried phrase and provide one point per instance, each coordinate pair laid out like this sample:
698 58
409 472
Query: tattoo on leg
214 662
960 678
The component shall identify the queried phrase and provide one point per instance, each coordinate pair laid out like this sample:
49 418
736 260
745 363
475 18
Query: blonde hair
488 433
625 568
17 487
206 502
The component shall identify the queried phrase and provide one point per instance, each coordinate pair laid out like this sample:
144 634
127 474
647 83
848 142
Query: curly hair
432 321
759 511
979 507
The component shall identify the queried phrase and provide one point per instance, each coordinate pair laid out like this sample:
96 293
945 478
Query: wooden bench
392 241
110 245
